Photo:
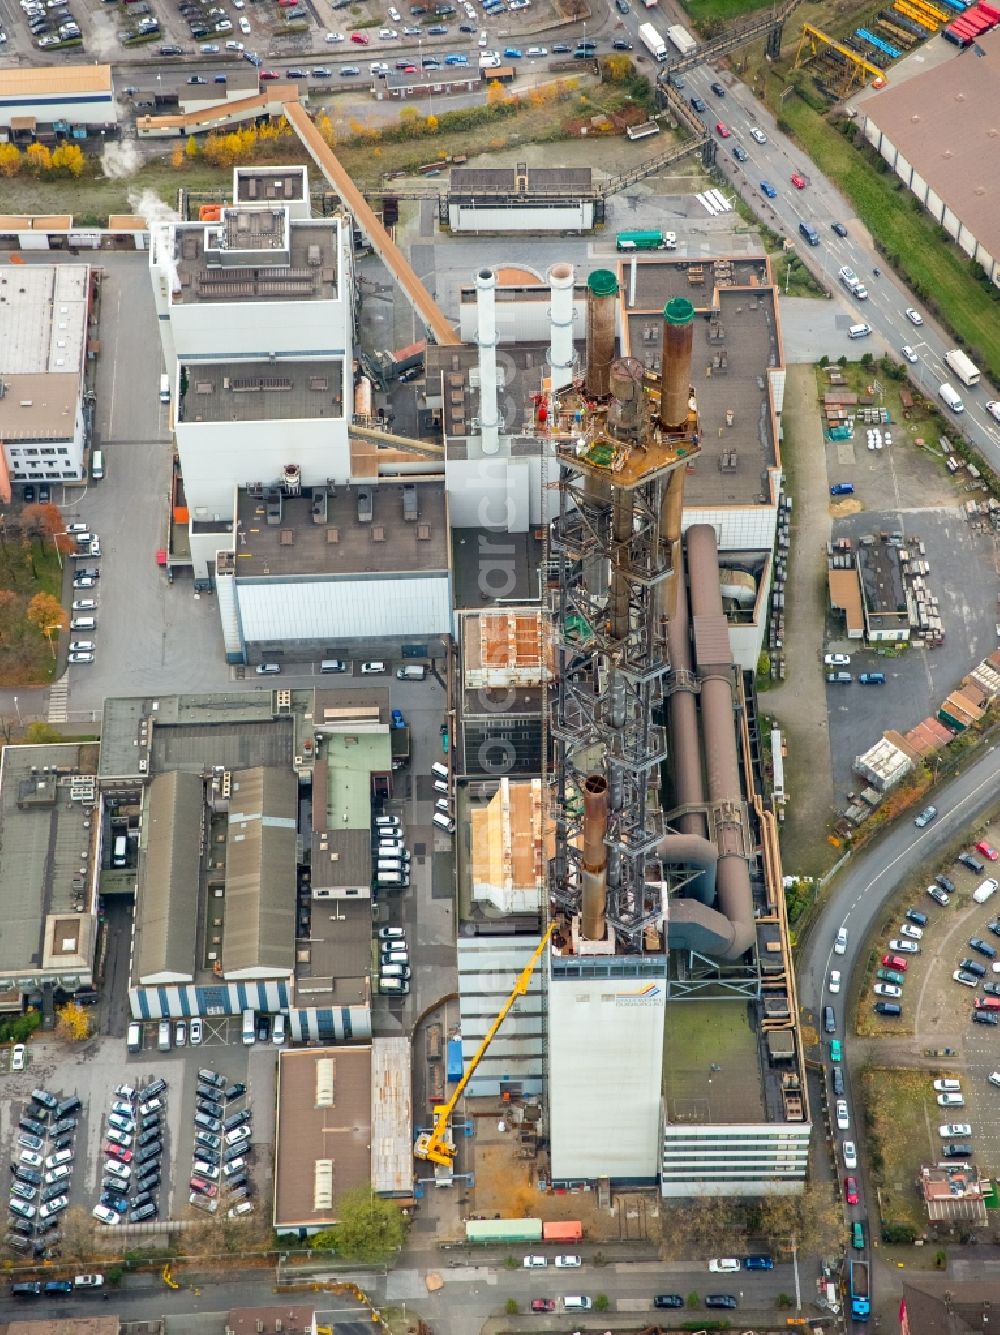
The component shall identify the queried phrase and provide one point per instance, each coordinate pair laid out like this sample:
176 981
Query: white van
164 389
443 805
134 1040
393 985
982 892
576 1304
439 771
83 623
393 880
950 397
444 822
859 331
278 1030
416 672
388 823
440 786
249 1029
119 856
97 465
163 1036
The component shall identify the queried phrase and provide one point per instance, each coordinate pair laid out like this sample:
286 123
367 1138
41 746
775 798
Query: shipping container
503 1230
455 1064
562 1230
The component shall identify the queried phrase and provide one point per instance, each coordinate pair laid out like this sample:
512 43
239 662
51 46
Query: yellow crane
436 1144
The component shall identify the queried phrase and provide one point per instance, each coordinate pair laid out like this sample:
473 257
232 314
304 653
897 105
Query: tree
78 1236
813 1220
601 1303
41 734
47 614
11 160
72 1023
191 148
177 157
46 521
38 158
369 1229
618 69
69 158
511 1307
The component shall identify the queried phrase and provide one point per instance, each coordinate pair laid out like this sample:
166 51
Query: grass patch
26 568
901 1121
793 278
704 12
912 243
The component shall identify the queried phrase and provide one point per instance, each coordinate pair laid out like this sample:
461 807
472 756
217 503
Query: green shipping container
503 1230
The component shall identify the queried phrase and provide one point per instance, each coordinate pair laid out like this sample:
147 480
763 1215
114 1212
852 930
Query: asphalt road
856 902
821 204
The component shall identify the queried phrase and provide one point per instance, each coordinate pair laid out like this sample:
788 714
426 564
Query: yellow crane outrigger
436 1144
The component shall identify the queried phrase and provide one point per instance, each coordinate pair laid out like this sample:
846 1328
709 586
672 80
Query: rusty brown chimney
675 363
595 858
602 289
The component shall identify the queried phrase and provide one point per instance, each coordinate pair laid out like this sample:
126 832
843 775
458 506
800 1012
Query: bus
641 241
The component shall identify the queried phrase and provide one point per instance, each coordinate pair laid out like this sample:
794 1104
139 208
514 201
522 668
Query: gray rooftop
659 278
451 371
261 391
341 544
47 862
254 185
506 181
167 914
341 859
259 931
469 545
232 729
256 254
732 467
333 964
882 584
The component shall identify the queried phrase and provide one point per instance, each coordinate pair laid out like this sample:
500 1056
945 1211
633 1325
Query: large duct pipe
595 885
621 533
682 718
718 718
560 279
602 289
675 363
489 413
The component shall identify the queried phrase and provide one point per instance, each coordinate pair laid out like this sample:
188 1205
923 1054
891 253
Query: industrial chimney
560 278
593 900
602 289
675 363
489 414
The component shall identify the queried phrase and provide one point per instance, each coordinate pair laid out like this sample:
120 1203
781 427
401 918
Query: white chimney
560 278
489 415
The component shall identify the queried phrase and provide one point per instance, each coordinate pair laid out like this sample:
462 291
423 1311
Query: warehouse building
523 199
344 1120
48 872
936 131
48 102
347 572
43 351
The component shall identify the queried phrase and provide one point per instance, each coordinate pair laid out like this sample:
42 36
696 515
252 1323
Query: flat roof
166 920
261 391
47 865
392 1116
504 181
732 466
508 646
39 407
943 122
333 964
658 278
259 932
353 754
845 594
453 374
343 545
711 1066
292 1319
256 254
341 859
254 185
881 578
471 548
322 1133
46 80
44 329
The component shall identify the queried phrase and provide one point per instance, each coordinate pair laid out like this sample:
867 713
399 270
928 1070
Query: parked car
926 816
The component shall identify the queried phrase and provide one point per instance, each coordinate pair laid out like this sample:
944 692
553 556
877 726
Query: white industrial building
256 322
43 345
60 98
522 199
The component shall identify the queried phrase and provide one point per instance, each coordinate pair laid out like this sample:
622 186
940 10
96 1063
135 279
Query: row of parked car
50 24
133 1146
221 1147
42 1172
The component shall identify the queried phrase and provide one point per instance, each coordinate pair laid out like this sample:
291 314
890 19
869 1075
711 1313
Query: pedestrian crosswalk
59 701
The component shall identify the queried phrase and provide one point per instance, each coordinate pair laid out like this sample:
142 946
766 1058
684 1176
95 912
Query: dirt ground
507 1185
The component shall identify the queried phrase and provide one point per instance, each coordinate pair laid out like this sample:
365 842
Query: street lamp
17 710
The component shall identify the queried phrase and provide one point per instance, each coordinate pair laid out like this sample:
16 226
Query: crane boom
435 1144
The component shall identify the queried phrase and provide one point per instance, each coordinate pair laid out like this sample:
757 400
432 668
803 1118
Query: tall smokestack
560 278
602 289
675 363
593 901
489 413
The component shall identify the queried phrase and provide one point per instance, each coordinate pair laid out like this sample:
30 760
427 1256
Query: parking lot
98 1068
902 488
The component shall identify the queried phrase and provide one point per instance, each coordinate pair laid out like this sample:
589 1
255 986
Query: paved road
863 887
821 204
